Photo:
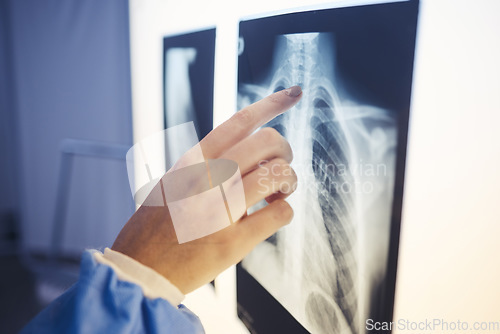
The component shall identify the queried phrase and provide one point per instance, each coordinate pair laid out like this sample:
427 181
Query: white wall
448 266
70 79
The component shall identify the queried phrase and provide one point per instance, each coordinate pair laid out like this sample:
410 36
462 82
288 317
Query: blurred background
81 81
65 105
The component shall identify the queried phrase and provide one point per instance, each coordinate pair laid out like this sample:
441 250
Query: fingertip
294 91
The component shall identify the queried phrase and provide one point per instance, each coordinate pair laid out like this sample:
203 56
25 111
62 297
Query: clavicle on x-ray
325 266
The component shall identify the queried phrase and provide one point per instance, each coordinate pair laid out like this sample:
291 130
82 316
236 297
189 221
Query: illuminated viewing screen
334 266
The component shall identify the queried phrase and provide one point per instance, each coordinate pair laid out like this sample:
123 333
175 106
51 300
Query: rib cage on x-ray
321 267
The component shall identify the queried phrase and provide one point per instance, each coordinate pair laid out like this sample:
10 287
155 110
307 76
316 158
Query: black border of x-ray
203 69
201 75
257 308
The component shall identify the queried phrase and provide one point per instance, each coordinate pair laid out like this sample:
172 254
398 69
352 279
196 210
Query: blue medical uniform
100 303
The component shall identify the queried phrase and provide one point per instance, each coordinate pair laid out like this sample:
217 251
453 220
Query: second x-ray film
333 267
188 79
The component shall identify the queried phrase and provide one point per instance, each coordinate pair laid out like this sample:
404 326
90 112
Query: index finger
247 120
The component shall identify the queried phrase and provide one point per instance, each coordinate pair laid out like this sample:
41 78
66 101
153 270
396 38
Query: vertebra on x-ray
319 266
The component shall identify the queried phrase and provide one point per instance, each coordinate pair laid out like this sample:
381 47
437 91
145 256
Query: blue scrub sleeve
100 303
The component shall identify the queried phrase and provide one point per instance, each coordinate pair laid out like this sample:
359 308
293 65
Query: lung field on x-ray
325 265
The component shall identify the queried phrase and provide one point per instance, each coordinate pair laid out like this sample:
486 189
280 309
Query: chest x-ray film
188 79
334 266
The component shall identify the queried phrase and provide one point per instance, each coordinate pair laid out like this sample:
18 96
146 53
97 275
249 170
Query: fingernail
293 91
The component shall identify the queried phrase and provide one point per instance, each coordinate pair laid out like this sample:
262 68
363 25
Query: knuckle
244 116
280 163
270 136
282 173
293 175
288 180
288 151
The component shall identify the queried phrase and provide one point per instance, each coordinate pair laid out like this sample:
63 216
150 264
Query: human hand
149 236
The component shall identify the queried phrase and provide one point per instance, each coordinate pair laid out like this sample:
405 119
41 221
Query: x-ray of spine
179 107
188 79
326 266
